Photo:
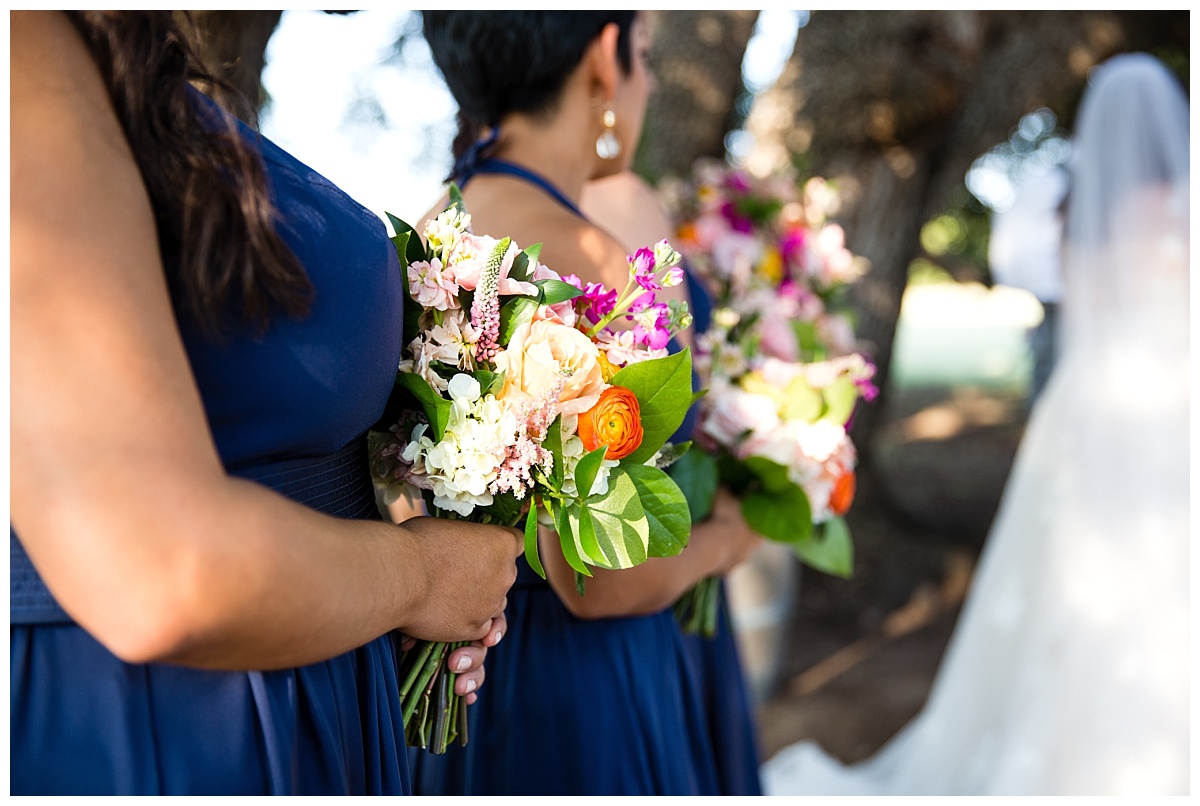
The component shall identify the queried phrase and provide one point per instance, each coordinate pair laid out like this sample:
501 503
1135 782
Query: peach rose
615 421
543 353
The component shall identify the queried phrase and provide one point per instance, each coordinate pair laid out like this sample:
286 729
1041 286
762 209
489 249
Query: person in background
1025 251
1068 672
203 599
595 694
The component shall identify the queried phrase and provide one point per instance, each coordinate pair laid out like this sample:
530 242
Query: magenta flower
643 265
596 303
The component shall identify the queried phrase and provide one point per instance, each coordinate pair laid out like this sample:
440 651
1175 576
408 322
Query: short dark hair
499 62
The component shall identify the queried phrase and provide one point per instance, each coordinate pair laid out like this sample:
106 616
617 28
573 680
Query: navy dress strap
495 165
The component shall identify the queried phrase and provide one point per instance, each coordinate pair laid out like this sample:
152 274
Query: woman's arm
117 491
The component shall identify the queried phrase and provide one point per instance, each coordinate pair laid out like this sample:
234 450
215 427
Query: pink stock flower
470 257
432 286
643 265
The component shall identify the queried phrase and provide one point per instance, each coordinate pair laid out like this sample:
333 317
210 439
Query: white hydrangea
460 468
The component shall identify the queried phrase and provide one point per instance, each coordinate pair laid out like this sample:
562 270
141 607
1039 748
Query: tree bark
895 106
696 58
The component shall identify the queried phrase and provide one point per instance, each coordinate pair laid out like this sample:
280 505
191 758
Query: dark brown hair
206 184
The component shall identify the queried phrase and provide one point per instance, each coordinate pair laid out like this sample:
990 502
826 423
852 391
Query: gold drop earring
607 145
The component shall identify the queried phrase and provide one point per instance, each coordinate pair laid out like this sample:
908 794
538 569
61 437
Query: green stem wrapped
696 610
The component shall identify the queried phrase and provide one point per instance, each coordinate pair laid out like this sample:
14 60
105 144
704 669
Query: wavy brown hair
207 184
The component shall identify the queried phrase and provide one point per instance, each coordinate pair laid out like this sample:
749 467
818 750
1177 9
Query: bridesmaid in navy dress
203 598
595 694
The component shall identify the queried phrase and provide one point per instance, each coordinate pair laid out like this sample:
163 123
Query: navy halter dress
615 706
288 410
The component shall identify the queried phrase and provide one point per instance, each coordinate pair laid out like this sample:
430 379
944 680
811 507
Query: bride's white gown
1068 671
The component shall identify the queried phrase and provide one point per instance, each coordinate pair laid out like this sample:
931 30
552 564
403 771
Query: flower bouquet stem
434 716
696 610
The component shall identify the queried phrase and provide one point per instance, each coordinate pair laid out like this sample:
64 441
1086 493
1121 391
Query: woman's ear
602 56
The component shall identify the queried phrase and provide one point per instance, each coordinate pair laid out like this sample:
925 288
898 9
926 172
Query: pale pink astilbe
526 451
485 309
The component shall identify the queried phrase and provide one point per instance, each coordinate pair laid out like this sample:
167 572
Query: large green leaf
665 508
696 474
436 407
663 387
829 549
783 515
621 528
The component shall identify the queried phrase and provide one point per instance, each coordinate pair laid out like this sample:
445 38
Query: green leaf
555 291
553 443
807 341
772 476
534 252
840 397
663 387
665 508
696 474
803 402
456 199
586 470
589 548
436 407
410 249
784 516
670 453
829 549
520 270
489 382
566 539
514 313
531 541
622 530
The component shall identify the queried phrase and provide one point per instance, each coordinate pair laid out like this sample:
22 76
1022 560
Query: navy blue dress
288 410
715 661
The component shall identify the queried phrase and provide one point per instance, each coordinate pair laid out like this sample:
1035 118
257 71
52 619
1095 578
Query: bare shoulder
587 251
627 206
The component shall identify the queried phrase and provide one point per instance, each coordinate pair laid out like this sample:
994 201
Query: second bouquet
525 396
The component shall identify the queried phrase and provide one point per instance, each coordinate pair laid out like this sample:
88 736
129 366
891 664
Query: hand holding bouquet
517 396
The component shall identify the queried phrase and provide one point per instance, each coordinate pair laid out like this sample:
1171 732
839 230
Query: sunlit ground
964 334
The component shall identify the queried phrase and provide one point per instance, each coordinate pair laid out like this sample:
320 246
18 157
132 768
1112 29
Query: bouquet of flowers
517 400
778 363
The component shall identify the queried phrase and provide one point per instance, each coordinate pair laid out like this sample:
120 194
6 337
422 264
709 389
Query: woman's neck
562 149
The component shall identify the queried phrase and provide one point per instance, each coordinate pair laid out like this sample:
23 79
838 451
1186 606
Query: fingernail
470 686
463 663
498 636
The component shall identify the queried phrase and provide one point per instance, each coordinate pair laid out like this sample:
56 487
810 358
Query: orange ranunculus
843 493
615 421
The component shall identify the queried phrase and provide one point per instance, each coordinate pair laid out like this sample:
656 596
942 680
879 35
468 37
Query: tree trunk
895 106
697 64
233 45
